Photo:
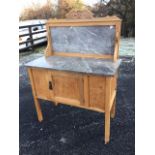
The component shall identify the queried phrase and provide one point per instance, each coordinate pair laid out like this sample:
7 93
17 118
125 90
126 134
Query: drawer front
42 81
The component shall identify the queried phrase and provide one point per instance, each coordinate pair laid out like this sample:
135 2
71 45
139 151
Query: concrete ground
68 130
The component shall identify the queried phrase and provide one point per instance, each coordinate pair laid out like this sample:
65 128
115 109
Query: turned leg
38 109
113 109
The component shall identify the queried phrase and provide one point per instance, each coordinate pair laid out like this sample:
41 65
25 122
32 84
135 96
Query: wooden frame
85 92
115 21
88 91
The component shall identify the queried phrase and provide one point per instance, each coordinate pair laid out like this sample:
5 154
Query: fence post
31 38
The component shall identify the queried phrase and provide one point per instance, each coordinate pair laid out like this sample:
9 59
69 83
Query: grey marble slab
82 39
74 64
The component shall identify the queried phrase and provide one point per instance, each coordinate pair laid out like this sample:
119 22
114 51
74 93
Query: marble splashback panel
82 39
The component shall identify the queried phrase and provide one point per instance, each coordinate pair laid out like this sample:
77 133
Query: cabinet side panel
86 90
113 85
97 92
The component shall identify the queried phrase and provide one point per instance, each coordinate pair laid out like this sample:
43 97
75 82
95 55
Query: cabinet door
68 87
42 81
97 91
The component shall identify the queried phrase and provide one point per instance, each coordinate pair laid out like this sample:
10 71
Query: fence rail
30 39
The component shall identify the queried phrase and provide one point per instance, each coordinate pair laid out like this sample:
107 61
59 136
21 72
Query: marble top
83 39
76 64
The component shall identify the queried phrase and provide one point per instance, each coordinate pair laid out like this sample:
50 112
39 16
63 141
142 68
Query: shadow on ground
68 130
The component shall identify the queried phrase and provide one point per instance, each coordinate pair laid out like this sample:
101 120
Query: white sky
25 3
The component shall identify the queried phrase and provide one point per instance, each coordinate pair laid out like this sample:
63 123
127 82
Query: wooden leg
107 127
38 109
36 102
55 103
107 109
113 109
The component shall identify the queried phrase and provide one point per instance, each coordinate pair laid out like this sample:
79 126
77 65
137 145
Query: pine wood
36 102
117 40
67 86
85 91
113 108
113 20
97 56
114 88
96 21
107 109
41 80
97 91
92 92
48 51
112 99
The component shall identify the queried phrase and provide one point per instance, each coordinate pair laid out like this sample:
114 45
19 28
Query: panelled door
42 83
68 87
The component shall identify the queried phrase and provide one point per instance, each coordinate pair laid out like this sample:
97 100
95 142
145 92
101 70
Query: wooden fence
30 34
